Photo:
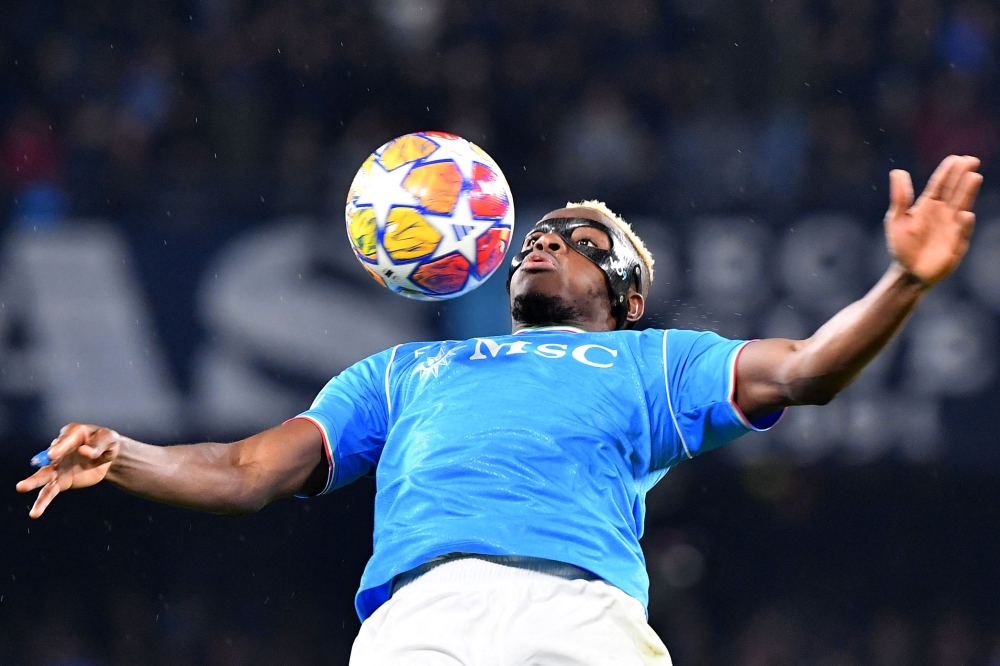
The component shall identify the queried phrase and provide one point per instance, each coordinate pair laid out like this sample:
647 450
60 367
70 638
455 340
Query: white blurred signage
78 335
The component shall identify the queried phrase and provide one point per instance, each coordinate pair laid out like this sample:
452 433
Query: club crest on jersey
432 365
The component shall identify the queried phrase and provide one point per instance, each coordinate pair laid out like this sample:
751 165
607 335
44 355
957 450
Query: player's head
583 263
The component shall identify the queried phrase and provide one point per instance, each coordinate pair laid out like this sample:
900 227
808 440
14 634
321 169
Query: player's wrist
907 279
120 450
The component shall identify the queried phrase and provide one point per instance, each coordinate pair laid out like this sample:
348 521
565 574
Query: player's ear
636 305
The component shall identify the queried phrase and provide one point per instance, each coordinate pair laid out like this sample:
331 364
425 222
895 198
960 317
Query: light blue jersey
541 444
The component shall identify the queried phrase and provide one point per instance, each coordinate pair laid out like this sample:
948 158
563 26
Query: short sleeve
700 372
351 412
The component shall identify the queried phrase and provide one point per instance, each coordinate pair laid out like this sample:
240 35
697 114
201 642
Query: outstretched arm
927 239
220 478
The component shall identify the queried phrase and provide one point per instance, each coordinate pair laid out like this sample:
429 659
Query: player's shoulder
686 337
675 341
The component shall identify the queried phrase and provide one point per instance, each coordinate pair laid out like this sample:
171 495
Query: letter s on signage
580 354
550 350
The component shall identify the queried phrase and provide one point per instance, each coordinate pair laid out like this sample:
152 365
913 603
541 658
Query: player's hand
79 457
929 238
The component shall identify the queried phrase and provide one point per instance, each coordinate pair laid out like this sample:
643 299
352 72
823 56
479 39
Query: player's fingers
967 222
968 164
45 497
965 192
976 162
70 438
900 192
45 475
961 166
99 444
88 451
936 181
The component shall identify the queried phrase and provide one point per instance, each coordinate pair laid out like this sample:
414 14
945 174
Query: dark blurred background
173 264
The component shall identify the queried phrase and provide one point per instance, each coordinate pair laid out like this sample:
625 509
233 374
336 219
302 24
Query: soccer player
511 471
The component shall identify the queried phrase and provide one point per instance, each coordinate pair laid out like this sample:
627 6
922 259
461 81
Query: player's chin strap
621 264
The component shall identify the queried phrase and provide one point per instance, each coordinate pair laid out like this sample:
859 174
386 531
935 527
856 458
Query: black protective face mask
621 265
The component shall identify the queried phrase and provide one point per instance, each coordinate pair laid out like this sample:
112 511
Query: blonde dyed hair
640 247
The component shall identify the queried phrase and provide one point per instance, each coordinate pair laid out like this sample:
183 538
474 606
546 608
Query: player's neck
535 309
580 324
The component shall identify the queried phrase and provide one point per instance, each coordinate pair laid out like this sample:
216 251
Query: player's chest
519 371
490 355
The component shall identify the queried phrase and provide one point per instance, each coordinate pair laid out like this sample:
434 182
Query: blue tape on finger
41 460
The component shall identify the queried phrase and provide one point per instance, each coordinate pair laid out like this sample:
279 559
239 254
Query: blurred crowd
199 633
194 112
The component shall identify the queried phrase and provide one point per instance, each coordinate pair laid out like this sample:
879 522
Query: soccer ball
430 215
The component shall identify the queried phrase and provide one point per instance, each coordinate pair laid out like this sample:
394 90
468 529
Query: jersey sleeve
351 412
699 389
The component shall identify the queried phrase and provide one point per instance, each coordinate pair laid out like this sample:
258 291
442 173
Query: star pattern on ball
460 231
458 152
397 275
385 190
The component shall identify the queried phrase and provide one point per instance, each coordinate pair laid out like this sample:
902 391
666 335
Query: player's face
554 269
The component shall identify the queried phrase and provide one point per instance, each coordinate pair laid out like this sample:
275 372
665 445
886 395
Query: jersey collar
554 329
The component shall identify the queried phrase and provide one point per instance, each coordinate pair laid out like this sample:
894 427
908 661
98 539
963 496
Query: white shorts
473 612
